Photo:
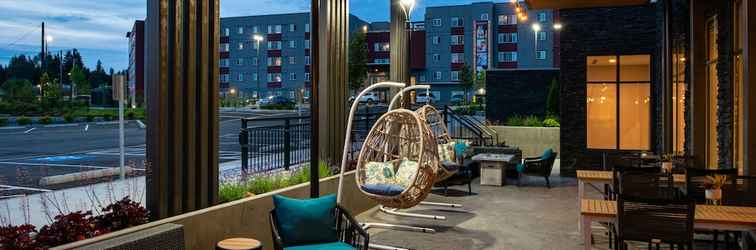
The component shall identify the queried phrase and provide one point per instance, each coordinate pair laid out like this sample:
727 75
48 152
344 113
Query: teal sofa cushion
520 168
547 154
306 221
324 246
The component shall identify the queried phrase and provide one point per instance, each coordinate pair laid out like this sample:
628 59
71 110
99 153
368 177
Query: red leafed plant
69 228
18 238
122 214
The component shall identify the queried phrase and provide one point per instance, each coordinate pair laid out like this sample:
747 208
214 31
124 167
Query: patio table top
734 215
606 176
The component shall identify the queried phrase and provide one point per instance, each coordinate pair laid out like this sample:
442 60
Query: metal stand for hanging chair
347 139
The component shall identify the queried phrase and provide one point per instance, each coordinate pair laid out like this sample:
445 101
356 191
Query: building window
307 76
508 56
437 75
307 44
507 37
292 44
226 31
542 35
455 75
255 29
241 30
618 108
457 22
484 16
292 76
436 22
292 27
274 45
307 60
457 40
254 77
223 62
507 19
381 61
239 61
307 27
381 47
256 45
436 40
421 78
274 77
255 61
274 29
292 60
224 78
541 55
241 46
436 57
224 47
542 17
240 77
457 58
274 61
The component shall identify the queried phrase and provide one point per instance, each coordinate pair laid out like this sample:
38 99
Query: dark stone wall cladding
521 92
600 31
725 95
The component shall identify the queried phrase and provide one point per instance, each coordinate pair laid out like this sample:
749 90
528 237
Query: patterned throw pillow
460 147
405 175
379 173
446 152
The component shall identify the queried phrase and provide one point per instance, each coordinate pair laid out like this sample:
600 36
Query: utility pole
42 56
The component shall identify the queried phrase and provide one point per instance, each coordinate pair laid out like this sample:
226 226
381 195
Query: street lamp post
407 7
258 38
536 28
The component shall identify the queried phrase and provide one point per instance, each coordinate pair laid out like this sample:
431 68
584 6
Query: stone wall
521 92
531 140
594 32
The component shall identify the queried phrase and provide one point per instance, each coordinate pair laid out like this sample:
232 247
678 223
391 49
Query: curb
81 176
62 125
13 127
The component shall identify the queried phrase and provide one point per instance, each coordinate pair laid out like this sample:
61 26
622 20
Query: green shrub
532 121
109 117
231 191
3 121
45 120
23 120
515 120
90 117
263 184
68 118
130 115
550 122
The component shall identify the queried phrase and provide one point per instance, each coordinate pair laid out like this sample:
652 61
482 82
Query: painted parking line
52 165
30 130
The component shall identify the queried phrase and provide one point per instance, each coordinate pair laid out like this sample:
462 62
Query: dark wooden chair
537 166
655 220
348 230
695 179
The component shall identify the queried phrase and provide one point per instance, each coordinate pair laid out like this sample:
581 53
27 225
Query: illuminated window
618 102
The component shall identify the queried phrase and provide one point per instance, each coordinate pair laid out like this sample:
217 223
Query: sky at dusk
97 28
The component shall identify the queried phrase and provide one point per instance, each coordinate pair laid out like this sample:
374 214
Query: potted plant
666 162
713 185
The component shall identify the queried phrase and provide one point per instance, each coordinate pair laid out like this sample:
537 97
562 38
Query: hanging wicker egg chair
402 141
435 122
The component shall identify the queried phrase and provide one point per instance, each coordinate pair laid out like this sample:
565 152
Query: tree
552 100
466 80
79 80
358 60
18 90
51 88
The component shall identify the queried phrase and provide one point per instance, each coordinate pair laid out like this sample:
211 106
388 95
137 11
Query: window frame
617 83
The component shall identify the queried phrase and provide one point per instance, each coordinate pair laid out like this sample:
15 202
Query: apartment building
276 65
136 95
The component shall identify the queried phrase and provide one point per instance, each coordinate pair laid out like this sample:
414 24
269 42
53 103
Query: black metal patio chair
537 166
655 220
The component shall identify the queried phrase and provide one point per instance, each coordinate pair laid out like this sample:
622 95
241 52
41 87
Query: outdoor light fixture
257 38
612 60
49 38
557 26
536 27
365 28
407 6
232 91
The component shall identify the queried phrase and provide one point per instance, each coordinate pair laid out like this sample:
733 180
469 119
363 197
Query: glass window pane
601 116
635 104
635 68
601 69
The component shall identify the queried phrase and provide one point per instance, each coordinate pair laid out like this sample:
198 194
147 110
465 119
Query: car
369 97
457 98
422 97
274 100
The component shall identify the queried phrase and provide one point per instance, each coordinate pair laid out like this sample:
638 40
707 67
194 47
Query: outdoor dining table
731 218
600 177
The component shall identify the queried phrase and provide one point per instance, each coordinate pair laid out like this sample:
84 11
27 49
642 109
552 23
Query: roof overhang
574 4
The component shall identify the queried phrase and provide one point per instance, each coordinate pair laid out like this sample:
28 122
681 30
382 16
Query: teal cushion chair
538 166
313 224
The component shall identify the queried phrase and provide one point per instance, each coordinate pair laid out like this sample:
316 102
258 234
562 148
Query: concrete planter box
246 217
531 140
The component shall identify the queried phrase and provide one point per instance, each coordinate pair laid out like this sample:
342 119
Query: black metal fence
468 128
274 143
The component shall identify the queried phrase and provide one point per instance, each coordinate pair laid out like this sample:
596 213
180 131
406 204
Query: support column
398 44
333 31
182 42
749 50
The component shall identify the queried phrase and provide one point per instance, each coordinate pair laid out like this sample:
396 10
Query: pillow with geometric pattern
379 173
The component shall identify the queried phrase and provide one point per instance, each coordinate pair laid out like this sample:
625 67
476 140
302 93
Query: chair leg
548 184
715 239
446 190
469 188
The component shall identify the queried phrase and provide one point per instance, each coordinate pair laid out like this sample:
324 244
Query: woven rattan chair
400 135
435 122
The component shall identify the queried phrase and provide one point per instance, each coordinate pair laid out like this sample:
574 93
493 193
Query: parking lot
28 154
